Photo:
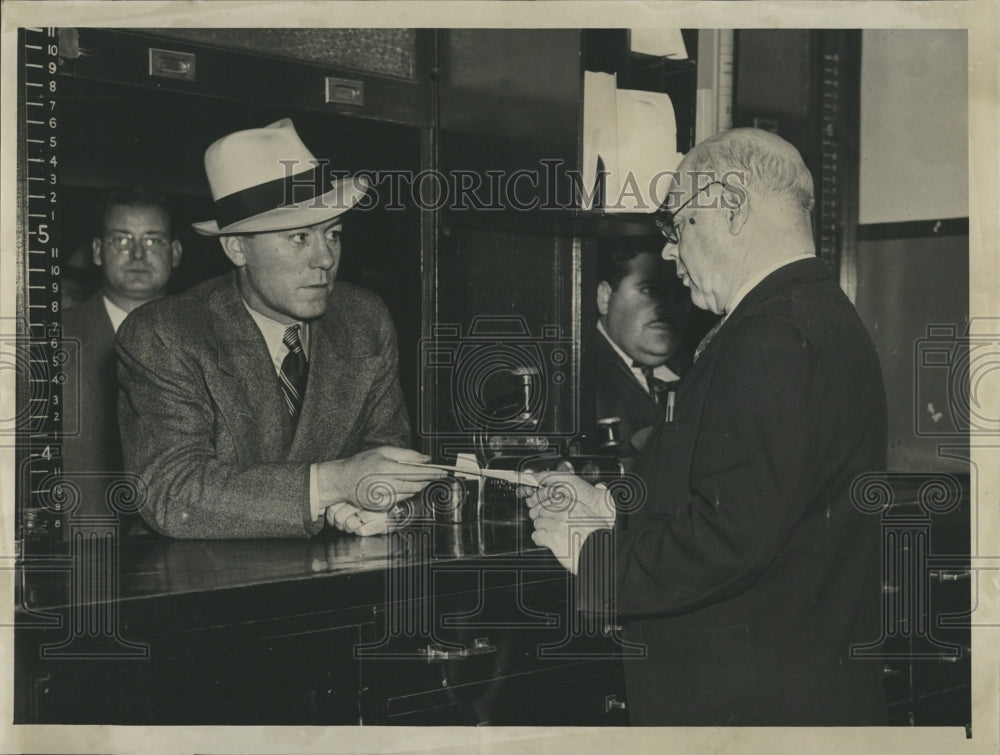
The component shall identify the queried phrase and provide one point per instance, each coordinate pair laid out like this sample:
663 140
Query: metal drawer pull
609 628
172 64
888 589
611 702
951 576
888 671
436 652
345 91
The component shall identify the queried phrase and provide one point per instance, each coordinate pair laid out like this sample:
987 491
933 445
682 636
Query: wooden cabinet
501 651
510 114
926 639
442 625
233 675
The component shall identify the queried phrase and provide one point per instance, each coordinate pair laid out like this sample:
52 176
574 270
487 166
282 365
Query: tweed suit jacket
92 447
204 423
748 573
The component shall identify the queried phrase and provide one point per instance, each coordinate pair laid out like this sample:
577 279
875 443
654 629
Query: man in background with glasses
747 571
135 254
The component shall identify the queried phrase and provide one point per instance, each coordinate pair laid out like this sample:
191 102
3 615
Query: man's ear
233 247
604 292
95 246
739 215
175 253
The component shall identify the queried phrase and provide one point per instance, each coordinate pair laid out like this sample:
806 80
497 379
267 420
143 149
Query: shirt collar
116 313
274 333
749 285
662 372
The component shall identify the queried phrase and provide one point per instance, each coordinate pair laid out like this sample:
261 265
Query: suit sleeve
744 496
168 427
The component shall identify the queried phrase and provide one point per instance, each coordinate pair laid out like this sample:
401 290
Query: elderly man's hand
565 510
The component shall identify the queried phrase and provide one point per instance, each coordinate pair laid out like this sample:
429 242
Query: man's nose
669 251
325 254
138 251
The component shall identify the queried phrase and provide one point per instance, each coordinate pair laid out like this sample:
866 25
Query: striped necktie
657 388
708 337
294 371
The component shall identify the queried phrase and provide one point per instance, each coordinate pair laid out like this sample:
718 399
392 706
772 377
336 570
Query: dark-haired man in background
135 254
638 359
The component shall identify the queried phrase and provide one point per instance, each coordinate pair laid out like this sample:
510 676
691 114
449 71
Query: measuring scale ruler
41 352
34 338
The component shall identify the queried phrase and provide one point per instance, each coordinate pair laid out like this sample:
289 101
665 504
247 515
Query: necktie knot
657 388
291 338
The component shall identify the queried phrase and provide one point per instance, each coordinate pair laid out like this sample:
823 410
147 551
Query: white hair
765 163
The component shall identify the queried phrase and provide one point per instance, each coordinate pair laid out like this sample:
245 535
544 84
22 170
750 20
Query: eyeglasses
664 219
124 243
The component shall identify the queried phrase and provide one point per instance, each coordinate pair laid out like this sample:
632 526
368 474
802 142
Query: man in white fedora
258 403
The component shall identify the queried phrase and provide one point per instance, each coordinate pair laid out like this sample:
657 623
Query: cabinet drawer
294 678
512 655
575 694
951 708
945 671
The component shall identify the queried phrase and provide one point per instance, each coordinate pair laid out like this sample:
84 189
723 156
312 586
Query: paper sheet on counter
461 470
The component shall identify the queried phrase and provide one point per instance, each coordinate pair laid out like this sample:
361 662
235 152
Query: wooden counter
434 625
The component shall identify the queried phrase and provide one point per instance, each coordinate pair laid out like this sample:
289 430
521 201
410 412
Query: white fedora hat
266 179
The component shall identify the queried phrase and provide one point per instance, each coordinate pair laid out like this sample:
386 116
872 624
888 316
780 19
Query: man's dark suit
93 447
620 395
204 422
748 573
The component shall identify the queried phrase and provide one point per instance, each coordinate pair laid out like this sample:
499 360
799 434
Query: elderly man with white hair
747 574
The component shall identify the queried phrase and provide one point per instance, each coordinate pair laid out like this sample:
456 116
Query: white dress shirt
116 313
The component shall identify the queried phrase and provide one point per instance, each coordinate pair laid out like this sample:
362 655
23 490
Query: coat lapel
97 352
334 373
243 355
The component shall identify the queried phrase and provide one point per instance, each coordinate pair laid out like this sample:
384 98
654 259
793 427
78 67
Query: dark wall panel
905 287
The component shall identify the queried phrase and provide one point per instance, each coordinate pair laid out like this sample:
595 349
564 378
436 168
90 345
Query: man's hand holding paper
565 510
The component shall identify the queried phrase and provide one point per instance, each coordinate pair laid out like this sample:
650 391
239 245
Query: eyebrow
337 226
144 233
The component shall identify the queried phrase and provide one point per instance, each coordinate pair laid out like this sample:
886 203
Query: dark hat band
281 192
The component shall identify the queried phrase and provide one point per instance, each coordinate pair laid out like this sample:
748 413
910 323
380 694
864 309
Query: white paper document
634 134
664 43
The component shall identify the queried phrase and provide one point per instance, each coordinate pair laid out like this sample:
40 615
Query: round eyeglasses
664 218
124 243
